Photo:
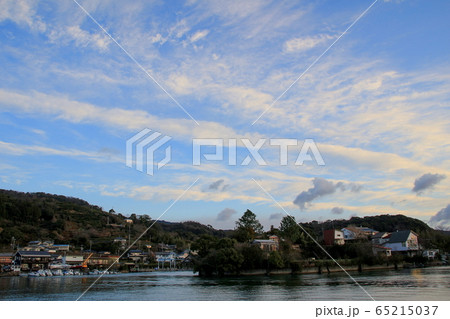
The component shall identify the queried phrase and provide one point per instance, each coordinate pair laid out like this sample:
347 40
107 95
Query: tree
253 257
248 226
290 229
275 260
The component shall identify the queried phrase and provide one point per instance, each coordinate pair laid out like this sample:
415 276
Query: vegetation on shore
31 216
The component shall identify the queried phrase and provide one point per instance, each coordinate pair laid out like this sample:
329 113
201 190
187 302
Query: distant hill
33 216
41 216
428 237
387 223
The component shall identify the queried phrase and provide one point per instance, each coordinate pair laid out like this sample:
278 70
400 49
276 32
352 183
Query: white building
403 241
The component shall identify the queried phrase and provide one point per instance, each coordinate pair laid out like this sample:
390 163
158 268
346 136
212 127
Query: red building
333 237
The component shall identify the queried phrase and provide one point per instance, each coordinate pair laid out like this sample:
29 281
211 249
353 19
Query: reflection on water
433 284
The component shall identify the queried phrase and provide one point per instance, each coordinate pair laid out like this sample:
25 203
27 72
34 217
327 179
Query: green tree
290 229
247 227
275 260
228 261
253 257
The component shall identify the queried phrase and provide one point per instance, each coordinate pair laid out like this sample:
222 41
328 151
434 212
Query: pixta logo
141 148
253 150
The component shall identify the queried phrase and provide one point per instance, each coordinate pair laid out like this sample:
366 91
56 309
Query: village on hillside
45 258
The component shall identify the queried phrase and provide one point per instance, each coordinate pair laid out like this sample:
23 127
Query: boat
68 272
57 272
33 274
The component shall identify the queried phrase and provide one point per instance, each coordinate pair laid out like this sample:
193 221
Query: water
406 284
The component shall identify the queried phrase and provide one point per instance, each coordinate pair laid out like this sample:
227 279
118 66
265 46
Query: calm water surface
407 284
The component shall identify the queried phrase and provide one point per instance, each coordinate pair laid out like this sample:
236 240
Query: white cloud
40 104
305 43
20 150
199 35
81 37
22 12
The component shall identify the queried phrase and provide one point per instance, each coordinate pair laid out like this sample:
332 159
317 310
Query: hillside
32 216
387 223
428 237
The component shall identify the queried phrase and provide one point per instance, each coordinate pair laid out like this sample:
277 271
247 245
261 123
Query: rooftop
399 236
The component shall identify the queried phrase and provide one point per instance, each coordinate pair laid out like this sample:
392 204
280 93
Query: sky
80 78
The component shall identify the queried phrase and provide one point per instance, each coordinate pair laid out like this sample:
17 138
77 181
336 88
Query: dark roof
379 234
399 236
164 253
34 253
264 241
6 254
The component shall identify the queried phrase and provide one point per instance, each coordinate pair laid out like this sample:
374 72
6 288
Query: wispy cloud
199 35
22 12
306 43
21 150
80 37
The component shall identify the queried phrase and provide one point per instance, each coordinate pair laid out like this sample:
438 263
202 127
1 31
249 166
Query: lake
405 284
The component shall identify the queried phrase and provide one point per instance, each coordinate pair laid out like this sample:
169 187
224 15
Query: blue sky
376 105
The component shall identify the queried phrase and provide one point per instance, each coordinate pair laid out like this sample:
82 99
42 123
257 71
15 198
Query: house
34 243
353 233
57 248
430 253
121 241
163 257
405 241
380 238
274 238
30 259
379 250
266 244
333 237
165 247
102 261
138 255
6 259
74 259
367 231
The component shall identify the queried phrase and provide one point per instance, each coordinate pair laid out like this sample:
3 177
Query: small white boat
33 274
68 272
57 272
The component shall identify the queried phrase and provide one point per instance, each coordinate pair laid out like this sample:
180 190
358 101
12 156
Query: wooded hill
41 216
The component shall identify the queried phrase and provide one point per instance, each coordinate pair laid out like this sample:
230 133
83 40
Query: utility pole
129 234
